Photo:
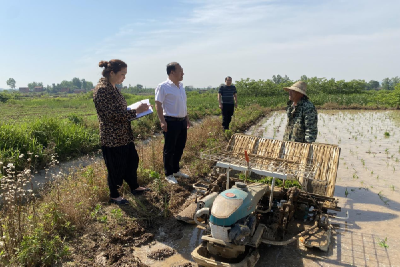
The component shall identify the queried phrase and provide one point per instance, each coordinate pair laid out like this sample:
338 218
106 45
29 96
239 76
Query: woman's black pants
122 163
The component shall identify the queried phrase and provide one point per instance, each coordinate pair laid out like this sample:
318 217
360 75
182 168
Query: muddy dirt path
63 169
366 187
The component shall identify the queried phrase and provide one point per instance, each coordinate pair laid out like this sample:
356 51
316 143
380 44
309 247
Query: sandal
119 202
138 192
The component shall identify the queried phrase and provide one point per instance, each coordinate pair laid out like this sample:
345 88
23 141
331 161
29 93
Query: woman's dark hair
114 65
227 77
171 67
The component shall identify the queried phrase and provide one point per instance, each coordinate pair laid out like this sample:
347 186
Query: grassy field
38 127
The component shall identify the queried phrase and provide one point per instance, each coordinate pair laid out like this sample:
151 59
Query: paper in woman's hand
137 104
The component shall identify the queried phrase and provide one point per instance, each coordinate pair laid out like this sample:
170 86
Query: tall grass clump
27 239
34 231
43 137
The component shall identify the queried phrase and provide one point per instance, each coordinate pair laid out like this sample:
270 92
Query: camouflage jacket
302 122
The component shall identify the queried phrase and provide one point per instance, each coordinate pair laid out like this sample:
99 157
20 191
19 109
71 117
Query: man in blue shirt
227 98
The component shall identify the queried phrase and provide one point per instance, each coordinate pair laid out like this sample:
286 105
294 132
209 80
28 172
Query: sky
50 41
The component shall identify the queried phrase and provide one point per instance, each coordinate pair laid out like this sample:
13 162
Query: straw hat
299 86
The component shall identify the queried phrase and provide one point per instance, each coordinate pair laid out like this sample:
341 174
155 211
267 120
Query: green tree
303 78
395 81
11 82
32 85
77 83
66 84
397 94
89 85
279 79
387 84
372 85
84 84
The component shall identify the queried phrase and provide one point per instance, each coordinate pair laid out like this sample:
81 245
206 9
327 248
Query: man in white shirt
170 97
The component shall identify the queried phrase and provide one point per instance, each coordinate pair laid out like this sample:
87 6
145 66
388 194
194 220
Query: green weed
383 243
96 210
38 247
117 214
103 218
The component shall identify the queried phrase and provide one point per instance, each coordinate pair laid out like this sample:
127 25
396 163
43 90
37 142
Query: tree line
315 85
247 86
72 85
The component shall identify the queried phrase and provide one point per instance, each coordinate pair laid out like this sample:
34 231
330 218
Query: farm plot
367 187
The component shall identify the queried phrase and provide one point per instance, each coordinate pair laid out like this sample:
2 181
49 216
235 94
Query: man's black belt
168 118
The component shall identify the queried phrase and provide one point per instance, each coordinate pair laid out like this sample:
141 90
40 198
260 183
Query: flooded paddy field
367 187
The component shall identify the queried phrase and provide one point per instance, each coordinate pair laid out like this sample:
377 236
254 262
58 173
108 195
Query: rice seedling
383 243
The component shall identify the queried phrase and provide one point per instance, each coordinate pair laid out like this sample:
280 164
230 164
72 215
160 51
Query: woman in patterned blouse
116 136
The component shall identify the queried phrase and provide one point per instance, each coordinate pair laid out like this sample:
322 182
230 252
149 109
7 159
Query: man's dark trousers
227 112
174 143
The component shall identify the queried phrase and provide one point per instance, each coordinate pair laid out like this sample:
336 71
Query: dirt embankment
116 232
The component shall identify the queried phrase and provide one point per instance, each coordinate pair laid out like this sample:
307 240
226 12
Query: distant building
64 90
24 89
77 91
38 89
